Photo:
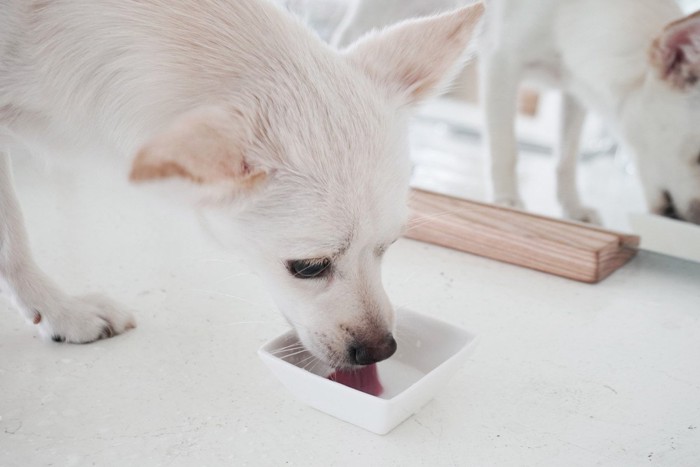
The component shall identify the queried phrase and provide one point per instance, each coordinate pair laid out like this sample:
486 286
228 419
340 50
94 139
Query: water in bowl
396 376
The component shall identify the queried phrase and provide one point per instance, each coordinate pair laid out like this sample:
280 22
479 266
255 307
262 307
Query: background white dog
635 62
297 149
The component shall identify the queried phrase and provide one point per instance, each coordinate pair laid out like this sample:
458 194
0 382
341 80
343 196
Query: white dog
635 62
299 150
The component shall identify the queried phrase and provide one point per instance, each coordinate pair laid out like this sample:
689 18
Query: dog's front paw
584 214
80 320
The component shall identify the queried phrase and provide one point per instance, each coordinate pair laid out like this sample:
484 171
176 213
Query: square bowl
429 352
668 236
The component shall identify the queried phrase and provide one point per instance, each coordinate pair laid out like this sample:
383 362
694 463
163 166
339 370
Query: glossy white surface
565 373
667 236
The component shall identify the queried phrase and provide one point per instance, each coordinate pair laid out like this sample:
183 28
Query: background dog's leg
57 315
499 95
573 116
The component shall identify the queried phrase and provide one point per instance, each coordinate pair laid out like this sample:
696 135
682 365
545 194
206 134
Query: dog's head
663 122
309 165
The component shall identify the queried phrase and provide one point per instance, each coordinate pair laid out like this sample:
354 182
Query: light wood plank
569 249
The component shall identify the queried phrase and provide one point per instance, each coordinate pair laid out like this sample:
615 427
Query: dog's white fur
300 150
635 62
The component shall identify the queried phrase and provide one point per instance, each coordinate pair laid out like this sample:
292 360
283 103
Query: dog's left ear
676 52
206 146
412 59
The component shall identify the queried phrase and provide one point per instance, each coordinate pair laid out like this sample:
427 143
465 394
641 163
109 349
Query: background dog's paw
80 320
510 202
584 214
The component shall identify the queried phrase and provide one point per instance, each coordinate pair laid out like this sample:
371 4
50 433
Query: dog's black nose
362 354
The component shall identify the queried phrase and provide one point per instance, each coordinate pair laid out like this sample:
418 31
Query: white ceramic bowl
667 236
429 352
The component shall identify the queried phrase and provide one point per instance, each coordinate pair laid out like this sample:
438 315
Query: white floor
566 373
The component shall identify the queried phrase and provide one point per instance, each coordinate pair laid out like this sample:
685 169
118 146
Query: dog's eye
309 268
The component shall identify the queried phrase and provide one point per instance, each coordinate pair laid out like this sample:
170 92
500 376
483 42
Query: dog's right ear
207 146
412 59
676 52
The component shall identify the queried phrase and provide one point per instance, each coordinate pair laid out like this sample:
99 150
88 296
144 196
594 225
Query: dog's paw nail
37 317
57 338
107 332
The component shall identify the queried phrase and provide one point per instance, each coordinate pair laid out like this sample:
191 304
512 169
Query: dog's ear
206 146
412 59
676 52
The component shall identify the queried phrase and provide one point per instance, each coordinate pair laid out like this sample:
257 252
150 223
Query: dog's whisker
444 212
312 368
306 359
433 215
278 352
303 364
293 344
291 348
288 354
421 221
292 354
288 348
315 365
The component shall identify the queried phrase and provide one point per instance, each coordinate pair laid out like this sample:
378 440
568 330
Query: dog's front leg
499 91
58 316
573 116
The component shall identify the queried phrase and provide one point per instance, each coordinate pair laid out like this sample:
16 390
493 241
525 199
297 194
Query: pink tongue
363 379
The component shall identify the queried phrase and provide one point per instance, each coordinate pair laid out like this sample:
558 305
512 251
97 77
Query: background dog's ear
412 59
206 146
676 52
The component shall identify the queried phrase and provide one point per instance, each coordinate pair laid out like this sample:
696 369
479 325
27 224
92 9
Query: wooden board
569 249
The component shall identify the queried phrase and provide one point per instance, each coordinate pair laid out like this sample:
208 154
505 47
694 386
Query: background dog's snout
362 354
